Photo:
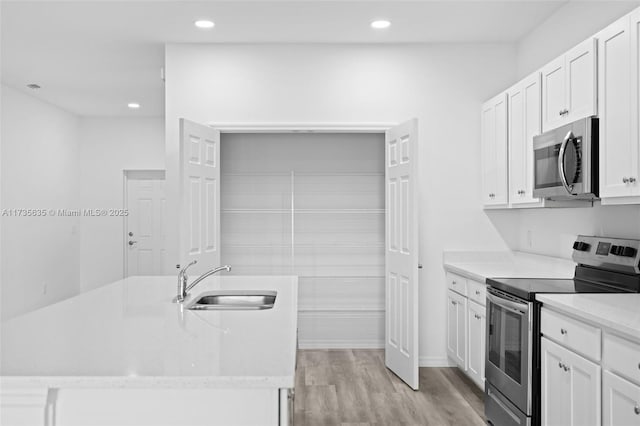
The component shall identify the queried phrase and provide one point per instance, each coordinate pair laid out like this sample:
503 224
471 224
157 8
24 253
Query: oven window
505 341
546 167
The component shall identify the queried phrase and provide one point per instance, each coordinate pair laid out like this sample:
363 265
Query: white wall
571 24
552 231
40 258
442 85
108 146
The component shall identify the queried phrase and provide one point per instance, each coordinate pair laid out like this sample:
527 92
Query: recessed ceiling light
204 24
133 105
380 24
33 86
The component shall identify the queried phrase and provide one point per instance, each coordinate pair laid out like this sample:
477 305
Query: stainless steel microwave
566 161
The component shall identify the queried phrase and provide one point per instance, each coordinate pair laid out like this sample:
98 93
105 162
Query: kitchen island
125 354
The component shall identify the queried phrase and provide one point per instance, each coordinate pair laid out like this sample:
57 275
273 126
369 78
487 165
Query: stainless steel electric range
512 366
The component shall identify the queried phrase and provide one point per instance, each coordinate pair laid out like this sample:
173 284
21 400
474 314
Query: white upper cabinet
524 101
618 149
569 86
494 152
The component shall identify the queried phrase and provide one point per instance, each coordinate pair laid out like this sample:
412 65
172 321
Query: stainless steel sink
231 300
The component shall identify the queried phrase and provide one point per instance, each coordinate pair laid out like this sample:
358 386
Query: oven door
508 365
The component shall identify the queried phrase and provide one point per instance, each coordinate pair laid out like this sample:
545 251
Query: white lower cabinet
466 325
456 328
620 401
570 386
476 338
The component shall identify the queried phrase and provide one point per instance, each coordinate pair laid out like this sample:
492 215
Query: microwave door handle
561 170
518 308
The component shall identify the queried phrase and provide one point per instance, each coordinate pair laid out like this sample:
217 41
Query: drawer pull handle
563 331
637 409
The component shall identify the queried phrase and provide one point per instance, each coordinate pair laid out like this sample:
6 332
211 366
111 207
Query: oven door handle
518 308
561 171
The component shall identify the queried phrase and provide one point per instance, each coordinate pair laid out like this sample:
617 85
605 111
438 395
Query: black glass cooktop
527 288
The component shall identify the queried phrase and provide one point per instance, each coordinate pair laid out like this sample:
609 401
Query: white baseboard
340 344
435 361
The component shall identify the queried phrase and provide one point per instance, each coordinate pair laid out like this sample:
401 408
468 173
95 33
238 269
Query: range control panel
612 253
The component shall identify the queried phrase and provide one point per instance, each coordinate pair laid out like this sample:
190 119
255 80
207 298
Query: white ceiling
92 57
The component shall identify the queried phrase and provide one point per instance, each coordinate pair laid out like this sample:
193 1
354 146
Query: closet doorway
312 205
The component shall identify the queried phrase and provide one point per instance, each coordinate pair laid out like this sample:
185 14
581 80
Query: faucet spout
208 274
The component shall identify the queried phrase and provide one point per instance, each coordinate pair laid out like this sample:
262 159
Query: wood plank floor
354 388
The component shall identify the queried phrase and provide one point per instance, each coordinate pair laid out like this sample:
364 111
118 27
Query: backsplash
551 232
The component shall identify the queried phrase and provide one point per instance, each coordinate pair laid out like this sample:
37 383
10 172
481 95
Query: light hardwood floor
353 388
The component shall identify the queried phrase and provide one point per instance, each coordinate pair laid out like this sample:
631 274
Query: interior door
401 282
145 234
199 196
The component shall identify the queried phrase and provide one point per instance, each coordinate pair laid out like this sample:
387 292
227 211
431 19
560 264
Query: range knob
581 246
616 250
628 252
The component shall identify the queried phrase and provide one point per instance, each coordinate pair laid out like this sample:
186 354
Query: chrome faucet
183 289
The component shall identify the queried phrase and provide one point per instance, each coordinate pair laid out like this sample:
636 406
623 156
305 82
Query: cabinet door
476 338
554 384
581 65
494 151
620 402
634 154
553 94
618 151
570 387
524 123
456 328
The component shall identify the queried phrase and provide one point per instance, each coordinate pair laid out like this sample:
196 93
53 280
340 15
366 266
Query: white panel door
145 239
200 196
581 82
553 94
620 401
401 282
476 338
617 159
524 123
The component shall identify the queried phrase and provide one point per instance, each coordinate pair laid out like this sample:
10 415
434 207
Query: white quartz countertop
130 334
479 266
617 311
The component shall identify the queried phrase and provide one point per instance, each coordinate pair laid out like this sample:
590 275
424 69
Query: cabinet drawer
622 356
477 292
457 283
571 333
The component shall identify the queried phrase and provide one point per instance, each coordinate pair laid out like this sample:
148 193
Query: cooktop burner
526 288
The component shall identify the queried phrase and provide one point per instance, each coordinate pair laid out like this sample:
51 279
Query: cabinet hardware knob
131 242
637 409
453 302
477 292
453 282
632 180
625 179
560 364
566 368
563 331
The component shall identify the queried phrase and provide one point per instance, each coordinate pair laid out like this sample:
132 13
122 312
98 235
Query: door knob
132 242
130 234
